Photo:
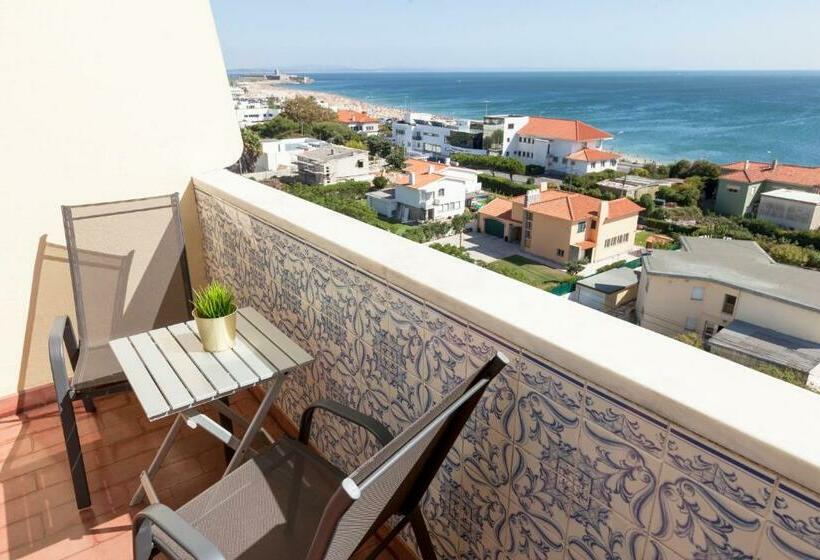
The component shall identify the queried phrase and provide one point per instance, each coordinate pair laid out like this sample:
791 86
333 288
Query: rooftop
562 129
574 206
611 281
591 154
423 173
634 182
332 152
768 345
740 264
757 172
354 117
796 196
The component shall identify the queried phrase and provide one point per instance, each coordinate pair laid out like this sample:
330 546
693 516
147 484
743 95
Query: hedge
501 185
666 227
534 170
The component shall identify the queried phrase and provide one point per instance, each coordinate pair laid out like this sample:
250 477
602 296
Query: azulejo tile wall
551 466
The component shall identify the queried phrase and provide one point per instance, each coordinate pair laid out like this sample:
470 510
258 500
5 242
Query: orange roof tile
426 172
354 117
498 208
757 172
573 206
591 154
562 129
585 244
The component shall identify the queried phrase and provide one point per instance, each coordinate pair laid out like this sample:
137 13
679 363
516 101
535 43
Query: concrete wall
792 214
144 105
611 229
734 199
549 235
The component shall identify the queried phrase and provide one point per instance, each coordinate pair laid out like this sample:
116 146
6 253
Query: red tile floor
38 516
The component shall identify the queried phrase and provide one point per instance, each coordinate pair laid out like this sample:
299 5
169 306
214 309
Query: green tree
331 131
575 266
277 127
380 181
395 159
251 150
647 201
379 146
356 143
306 110
680 168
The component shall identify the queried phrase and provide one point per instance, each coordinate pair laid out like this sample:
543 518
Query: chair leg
88 403
423 539
75 453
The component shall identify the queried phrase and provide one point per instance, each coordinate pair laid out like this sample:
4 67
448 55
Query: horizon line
328 70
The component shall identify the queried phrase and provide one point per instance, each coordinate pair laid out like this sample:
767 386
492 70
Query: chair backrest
394 480
128 272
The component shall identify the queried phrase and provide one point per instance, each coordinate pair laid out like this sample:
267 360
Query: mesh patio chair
289 502
129 274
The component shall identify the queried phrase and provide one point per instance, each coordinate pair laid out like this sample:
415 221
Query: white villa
279 155
425 191
252 111
422 134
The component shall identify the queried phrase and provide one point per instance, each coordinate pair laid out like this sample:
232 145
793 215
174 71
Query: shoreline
268 88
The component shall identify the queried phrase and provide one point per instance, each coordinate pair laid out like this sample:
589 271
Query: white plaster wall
145 104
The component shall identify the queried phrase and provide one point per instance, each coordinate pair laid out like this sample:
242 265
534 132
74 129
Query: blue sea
665 116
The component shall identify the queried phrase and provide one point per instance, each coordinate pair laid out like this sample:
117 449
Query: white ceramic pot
217 334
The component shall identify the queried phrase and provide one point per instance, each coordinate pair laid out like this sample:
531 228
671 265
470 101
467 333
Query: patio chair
289 502
129 274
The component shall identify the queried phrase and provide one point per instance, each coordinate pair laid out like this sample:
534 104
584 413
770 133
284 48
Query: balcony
601 440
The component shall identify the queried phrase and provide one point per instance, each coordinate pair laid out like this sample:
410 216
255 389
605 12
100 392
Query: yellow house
563 226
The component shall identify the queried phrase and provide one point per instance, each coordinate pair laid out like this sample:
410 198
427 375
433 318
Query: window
691 323
441 192
510 125
560 252
360 164
593 224
582 226
729 302
732 189
697 294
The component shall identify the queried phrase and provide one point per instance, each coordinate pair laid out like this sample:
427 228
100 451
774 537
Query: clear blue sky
520 34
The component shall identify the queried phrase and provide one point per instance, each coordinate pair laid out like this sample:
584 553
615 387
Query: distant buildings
563 226
634 186
790 209
611 291
741 184
331 164
425 191
422 134
360 122
280 154
252 111
746 306
563 146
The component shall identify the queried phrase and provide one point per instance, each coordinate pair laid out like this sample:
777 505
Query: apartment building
422 134
280 154
332 163
425 191
252 111
563 146
563 226
358 121
769 311
741 184
790 209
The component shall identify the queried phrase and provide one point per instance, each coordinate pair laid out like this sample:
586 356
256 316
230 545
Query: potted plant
215 314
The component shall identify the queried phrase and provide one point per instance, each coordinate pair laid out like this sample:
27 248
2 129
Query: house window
697 294
729 302
360 164
441 192
691 323
593 224
732 189
582 226
510 126
560 252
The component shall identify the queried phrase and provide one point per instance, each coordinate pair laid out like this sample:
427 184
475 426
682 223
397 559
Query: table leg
226 423
256 422
159 457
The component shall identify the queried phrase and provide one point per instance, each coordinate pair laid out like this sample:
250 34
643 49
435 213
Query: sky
316 35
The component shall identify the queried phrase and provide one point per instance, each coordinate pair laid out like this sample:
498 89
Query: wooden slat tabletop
170 372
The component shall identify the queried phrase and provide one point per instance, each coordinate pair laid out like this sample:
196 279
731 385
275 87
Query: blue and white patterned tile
549 380
445 506
597 533
797 511
370 307
720 470
695 522
626 420
543 428
443 359
778 543
623 477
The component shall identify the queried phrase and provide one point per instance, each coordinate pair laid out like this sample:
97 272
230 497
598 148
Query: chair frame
62 337
406 502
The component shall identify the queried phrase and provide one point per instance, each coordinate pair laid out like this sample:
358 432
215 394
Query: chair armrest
62 337
370 424
189 539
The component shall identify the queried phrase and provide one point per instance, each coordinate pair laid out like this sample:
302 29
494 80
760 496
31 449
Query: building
332 163
563 146
279 155
358 121
741 184
422 134
425 191
716 284
634 186
609 291
790 209
563 226
252 111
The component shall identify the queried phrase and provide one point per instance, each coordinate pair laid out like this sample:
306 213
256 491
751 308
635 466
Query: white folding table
171 374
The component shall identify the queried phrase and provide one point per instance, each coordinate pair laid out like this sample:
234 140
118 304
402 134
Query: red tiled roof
354 117
622 207
498 208
585 244
426 172
573 206
591 154
758 171
562 129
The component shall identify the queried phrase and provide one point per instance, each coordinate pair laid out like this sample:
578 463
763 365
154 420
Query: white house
422 134
561 145
358 121
252 111
425 191
281 154
331 164
790 209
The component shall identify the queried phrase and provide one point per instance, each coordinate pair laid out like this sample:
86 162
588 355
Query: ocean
665 116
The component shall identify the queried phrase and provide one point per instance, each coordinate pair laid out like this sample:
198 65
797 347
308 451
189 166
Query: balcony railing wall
561 460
